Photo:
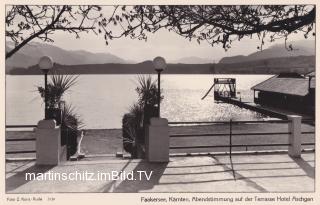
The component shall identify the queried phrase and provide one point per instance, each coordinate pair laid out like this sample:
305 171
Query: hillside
300 48
274 59
299 64
29 56
192 60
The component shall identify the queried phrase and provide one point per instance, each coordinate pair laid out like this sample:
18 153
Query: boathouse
289 91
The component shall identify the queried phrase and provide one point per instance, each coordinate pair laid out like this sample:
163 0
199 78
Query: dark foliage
134 123
58 86
132 129
70 127
25 23
215 24
64 114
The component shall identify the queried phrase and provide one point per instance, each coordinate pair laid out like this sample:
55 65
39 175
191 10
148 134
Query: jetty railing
20 139
231 132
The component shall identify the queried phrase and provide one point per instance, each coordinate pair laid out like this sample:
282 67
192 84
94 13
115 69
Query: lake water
102 100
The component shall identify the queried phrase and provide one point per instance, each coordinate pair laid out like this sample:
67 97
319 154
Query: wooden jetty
251 106
225 92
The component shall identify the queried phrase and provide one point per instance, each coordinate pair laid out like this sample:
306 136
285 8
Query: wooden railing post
230 139
157 140
294 136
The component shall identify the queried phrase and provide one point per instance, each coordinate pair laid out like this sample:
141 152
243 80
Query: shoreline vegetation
298 64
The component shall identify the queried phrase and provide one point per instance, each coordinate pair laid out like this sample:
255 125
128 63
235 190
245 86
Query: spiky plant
71 124
131 128
147 91
70 119
134 122
58 86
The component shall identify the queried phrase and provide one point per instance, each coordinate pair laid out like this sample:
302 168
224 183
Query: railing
20 139
231 134
67 138
227 122
21 126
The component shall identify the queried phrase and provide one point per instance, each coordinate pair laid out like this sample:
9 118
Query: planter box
48 146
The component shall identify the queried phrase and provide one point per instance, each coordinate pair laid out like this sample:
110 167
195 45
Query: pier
270 111
225 92
251 106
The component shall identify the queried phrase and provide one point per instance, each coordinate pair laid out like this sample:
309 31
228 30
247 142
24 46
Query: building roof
312 74
286 85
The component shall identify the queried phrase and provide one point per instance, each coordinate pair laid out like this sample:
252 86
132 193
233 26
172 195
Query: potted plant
132 129
58 86
71 125
148 97
135 122
63 113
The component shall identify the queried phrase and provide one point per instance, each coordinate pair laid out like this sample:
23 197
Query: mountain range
192 60
29 55
300 48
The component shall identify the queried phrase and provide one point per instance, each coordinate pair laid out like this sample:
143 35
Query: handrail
227 134
236 145
307 132
227 122
307 120
21 152
230 134
199 135
21 126
20 139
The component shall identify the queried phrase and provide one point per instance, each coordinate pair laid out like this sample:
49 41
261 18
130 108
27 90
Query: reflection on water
101 100
186 105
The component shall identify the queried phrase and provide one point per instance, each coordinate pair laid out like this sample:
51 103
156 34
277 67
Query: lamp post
160 65
45 64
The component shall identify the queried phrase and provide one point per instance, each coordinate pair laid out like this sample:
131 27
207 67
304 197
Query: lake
102 100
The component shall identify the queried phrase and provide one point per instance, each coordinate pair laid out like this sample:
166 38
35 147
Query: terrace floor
275 172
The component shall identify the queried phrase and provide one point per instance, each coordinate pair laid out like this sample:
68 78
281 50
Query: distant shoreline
298 64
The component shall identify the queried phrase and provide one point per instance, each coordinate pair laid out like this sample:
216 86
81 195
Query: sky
163 43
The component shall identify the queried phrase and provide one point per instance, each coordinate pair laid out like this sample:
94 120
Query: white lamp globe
45 63
159 63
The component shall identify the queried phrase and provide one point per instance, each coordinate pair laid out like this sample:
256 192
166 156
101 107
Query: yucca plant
148 97
58 86
70 119
147 91
64 115
71 125
132 128
134 122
